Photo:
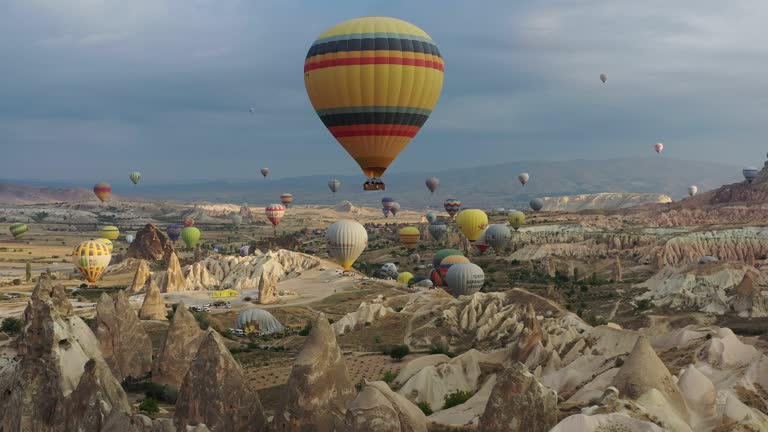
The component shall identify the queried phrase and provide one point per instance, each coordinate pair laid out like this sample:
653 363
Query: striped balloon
275 213
106 242
346 240
464 279
135 177
18 230
103 191
452 206
91 258
374 81
286 199
409 236
334 185
110 232
449 261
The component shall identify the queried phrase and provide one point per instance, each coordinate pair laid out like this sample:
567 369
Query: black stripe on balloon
351 119
373 44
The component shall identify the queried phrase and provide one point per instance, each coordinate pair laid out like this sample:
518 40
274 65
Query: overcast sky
93 89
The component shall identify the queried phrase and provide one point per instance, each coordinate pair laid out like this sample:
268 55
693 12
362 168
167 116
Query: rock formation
529 337
178 348
602 201
698 391
174 280
141 278
433 383
267 290
605 423
748 300
46 290
378 409
62 382
618 275
123 341
153 307
366 313
319 388
519 403
150 244
216 392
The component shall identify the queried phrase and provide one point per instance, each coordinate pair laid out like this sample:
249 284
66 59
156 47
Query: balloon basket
373 185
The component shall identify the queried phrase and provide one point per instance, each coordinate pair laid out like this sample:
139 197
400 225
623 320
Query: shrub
439 348
455 398
388 377
161 392
425 408
377 339
307 328
149 406
399 351
12 326
17 281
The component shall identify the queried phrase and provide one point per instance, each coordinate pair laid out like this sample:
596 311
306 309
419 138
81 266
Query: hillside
19 194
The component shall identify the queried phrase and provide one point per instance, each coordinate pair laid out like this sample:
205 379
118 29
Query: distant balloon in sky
103 191
432 184
692 189
110 232
346 240
452 206
537 204
135 177
286 199
251 110
387 202
18 230
523 178
129 238
373 81
265 172
603 77
275 213
188 222
334 185
750 173
659 147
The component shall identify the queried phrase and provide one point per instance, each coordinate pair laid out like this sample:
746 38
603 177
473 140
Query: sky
93 89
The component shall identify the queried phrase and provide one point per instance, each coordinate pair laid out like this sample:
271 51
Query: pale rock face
604 423
141 278
215 391
577 373
378 409
417 364
124 343
432 383
365 313
698 391
468 413
519 403
595 389
602 201
735 413
727 245
153 307
726 351
173 279
178 349
319 388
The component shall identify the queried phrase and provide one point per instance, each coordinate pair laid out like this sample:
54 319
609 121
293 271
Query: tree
28 272
399 351
12 326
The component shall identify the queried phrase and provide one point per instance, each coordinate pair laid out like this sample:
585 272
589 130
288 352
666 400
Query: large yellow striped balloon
374 81
409 237
91 258
472 222
106 242
18 230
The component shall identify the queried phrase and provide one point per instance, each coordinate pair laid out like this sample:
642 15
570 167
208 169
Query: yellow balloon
472 222
404 277
516 219
110 232
106 242
91 258
409 236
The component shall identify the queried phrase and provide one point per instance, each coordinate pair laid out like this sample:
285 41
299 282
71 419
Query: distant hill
486 187
20 194
740 192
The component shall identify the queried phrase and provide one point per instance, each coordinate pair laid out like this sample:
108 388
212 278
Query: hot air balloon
442 253
537 204
173 231
135 177
18 230
236 219
452 206
251 110
190 236
603 77
432 184
449 261
692 189
188 222
395 208
409 236
106 242
523 178
404 277
286 199
103 191
385 211
346 241
265 172
480 243
464 279
387 202
334 185
373 81
129 238
109 232
658 147
497 236
431 217
245 250
274 213
436 277
516 219
438 230
749 173
472 222
91 258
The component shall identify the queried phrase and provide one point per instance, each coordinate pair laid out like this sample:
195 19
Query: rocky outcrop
153 307
141 278
698 391
727 245
724 350
62 382
748 299
123 341
529 337
178 348
346 207
432 383
45 290
519 403
602 201
378 409
605 423
150 244
618 273
216 392
365 314
267 289
173 279
319 388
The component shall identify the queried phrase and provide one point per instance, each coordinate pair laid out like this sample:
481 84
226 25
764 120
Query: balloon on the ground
346 240
523 178
190 236
438 230
659 147
692 189
603 77
431 217
442 253
464 279
91 258
409 237
432 184
129 238
452 206
18 230
265 172
516 219
749 173
286 199
173 231
449 261
110 232
537 204
334 185
103 191
188 222
274 213
258 321
135 177
105 242
497 236
373 81
404 277
472 222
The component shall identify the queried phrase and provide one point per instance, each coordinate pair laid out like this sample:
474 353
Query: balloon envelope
523 178
658 147
404 277
373 81
110 232
464 279
190 236
103 191
245 250
442 253
438 230
265 172
603 77
286 199
274 213
394 209
91 258
346 240
452 206
537 204
409 237
516 219
334 185
188 222
750 173
173 231
692 190
106 242
472 222
432 184
129 238
18 230
431 217
135 177
449 261
497 236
